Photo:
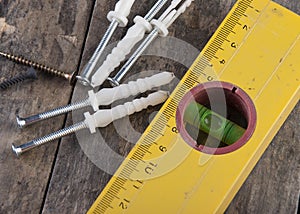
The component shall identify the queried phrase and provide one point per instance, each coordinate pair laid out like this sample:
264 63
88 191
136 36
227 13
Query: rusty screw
30 74
21 60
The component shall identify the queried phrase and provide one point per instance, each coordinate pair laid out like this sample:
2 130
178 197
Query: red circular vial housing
223 98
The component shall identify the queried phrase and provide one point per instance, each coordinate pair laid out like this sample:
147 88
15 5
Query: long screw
22 122
134 34
161 27
40 67
30 74
99 119
115 81
105 96
18 150
84 78
118 17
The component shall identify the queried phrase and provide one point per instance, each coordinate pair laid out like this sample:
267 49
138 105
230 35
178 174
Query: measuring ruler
256 49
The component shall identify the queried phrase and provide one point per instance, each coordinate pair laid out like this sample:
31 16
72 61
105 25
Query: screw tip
16 150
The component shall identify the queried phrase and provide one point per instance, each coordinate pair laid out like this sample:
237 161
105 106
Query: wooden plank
76 182
50 32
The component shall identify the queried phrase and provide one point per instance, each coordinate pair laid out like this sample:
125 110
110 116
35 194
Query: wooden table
58 177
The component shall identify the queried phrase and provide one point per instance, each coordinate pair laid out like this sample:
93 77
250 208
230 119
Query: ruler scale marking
167 113
246 36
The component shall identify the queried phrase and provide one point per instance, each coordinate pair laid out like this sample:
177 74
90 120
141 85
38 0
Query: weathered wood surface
53 33
59 178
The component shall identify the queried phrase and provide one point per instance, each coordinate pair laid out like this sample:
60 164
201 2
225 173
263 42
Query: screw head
83 80
113 82
20 121
17 150
72 78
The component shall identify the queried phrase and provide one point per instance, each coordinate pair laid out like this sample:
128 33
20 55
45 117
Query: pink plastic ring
233 96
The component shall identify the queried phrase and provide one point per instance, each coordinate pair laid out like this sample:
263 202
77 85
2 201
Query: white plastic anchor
169 17
107 96
161 28
104 117
134 34
122 10
118 17
99 119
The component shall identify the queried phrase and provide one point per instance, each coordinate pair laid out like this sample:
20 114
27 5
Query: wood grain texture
53 32
50 32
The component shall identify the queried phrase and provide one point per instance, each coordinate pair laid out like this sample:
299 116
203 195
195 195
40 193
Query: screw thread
18 150
155 9
59 134
64 109
22 122
18 79
87 72
134 57
35 65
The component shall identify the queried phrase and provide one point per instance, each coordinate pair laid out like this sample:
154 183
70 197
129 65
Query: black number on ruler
163 149
150 168
245 27
175 130
138 184
124 204
233 45
222 61
210 78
